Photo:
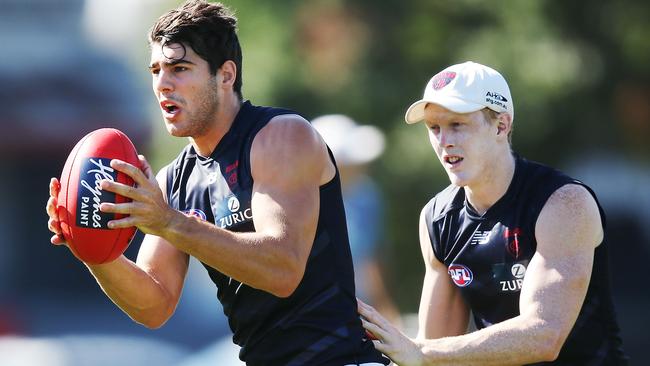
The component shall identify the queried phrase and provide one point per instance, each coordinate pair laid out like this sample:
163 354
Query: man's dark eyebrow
171 63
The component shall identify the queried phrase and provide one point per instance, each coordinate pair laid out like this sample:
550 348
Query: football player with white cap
517 244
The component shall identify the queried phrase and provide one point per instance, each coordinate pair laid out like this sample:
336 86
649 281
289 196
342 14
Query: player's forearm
512 342
260 260
134 291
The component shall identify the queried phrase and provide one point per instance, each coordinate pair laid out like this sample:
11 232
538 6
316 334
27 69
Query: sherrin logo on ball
93 171
84 226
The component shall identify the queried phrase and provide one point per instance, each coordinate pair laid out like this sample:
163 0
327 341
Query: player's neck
494 184
221 124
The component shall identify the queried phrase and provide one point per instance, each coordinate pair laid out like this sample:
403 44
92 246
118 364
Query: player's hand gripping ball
84 226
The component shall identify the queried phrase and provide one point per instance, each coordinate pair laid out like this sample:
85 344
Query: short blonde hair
490 115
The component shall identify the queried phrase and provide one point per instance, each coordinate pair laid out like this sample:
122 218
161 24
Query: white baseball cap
464 88
351 143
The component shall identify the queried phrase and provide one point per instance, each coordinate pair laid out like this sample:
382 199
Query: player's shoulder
574 204
286 131
288 138
555 194
288 142
573 197
536 181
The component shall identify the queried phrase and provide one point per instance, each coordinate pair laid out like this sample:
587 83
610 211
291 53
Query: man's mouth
452 160
169 107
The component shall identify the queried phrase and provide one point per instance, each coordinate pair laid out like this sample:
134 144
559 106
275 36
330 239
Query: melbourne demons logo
442 79
512 237
461 275
232 171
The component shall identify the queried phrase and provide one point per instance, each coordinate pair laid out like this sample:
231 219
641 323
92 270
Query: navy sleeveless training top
487 256
318 324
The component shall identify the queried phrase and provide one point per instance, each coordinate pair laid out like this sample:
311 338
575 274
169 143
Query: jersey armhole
429 216
173 170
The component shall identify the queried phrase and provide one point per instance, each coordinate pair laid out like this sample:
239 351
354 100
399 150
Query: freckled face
186 91
465 143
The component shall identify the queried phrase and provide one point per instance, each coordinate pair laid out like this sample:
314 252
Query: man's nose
163 82
446 138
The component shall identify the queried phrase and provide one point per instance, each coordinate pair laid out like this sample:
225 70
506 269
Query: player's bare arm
148 291
443 311
289 162
568 230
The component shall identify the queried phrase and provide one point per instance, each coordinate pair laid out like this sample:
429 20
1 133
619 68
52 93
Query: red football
84 226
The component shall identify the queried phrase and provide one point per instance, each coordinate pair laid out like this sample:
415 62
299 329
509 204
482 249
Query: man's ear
228 71
504 123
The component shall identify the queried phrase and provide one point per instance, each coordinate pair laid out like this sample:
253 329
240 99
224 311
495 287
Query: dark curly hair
208 28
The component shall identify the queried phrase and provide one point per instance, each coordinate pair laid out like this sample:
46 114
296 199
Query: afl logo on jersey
233 204
196 213
461 275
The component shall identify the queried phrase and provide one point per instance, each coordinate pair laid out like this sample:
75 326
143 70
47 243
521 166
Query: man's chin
456 180
173 130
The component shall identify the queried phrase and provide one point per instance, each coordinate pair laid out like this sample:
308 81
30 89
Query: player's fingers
54 226
370 336
130 170
380 347
374 329
364 312
57 240
121 189
55 187
122 223
361 306
369 313
120 208
374 316
50 208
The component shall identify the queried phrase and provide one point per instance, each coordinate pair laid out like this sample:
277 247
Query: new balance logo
480 238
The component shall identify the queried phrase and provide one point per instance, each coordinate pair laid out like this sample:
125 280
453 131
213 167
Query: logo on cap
442 79
495 98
